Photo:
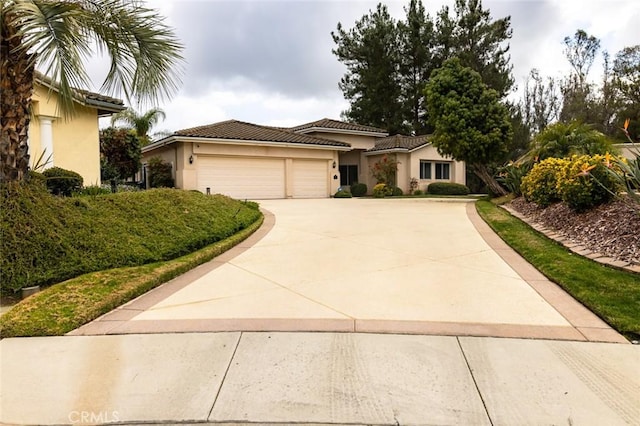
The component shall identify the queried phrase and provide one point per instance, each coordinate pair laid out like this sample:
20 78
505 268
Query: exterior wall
179 153
628 150
409 167
75 139
356 141
430 153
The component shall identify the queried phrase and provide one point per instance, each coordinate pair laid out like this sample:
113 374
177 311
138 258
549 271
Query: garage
249 161
242 178
310 179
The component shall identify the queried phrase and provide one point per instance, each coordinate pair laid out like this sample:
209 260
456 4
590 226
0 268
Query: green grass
612 294
47 239
66 306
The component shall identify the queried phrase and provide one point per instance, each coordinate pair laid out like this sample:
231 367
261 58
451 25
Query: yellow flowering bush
540 185
585 182
381 190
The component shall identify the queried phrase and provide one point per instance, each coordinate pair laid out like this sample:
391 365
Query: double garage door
262 178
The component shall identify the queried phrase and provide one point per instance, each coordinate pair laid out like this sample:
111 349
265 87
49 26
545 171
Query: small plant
358 189
511 175
384 170
447 188
160 173
381 190
413 185
62 182
396 192
540 185
418 192
342 194
93 190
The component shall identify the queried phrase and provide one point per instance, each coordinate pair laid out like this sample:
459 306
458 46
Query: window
443 171
348 174
425 169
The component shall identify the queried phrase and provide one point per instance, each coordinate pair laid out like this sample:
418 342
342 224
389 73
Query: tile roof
400 142
327 123
239 130
84 96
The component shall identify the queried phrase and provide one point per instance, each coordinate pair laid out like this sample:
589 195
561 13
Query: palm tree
141 123
57 35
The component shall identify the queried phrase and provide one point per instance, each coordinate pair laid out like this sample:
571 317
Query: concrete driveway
378 266
393 265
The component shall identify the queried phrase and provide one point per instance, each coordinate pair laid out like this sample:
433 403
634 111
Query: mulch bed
612 229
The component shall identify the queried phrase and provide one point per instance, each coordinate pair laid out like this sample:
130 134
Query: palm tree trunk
16 88
483 173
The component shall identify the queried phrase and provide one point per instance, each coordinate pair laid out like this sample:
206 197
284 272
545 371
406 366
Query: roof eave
387 151
340 131
197 139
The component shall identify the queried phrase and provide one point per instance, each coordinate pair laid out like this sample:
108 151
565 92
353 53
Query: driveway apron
411 266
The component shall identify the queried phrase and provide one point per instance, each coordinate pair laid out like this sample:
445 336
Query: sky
270 62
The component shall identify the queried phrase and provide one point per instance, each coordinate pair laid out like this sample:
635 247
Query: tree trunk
483 173
16 88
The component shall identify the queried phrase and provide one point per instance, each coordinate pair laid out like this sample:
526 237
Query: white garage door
310 179
242 178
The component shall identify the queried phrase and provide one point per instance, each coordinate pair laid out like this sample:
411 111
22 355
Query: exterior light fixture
191 159
334 164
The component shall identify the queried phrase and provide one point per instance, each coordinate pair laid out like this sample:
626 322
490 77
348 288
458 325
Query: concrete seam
224 377
475 383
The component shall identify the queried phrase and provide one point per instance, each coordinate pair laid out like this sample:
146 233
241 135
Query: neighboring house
630 151
249 161
72 143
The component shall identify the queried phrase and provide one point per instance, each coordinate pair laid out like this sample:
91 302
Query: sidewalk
317 378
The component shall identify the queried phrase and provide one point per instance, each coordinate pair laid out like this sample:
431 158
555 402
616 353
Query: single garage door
242 178
310 179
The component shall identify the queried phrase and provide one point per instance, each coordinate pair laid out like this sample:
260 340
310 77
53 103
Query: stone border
575 247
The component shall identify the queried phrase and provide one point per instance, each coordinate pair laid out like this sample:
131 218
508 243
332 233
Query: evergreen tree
470 123
372 83
417 62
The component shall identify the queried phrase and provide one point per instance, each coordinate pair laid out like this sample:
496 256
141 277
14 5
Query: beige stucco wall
76 140
430 153
356 141
628 151
409 167
185 174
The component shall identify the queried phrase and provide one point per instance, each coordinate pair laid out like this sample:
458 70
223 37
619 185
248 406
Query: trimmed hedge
342 194
447 188
358 189
396 192
62 181
47 239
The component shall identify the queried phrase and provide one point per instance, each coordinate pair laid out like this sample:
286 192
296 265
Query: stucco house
250 161
72 142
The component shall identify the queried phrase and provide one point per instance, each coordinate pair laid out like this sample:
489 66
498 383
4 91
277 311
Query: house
250 161
72 143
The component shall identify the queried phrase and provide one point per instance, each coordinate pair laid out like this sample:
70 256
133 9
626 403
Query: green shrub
47 239
160 173
447 188
381 190
342 194
396 192
93 190
62 182
418 192
540 185
584 182
511 175
358 189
